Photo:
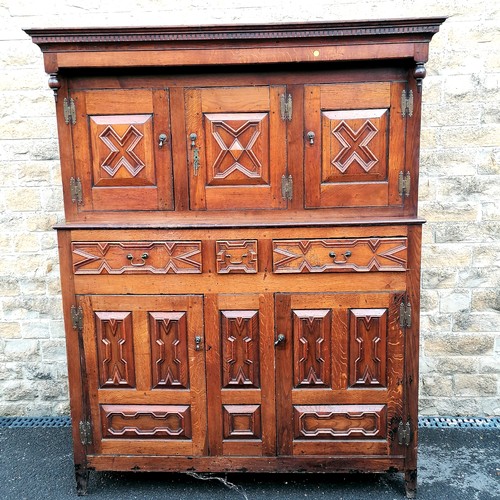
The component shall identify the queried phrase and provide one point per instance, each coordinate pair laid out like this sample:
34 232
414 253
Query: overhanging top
76 47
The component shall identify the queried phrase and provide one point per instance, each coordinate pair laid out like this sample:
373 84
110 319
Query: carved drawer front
137 257
146 421
236 256
340 421
337 255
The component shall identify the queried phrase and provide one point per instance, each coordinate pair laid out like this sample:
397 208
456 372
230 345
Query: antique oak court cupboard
240 257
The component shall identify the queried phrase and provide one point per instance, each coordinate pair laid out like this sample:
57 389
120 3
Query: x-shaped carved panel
239 147
122 151
355 146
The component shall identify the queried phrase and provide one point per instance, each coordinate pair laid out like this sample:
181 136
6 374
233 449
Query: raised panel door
236 144
240 374
146 374
339 373
118 157
358 147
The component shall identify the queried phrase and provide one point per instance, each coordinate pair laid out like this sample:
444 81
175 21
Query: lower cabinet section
245 375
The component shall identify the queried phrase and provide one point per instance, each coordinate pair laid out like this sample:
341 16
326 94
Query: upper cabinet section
267 123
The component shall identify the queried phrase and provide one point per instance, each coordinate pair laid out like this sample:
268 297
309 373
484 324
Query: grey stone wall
459 191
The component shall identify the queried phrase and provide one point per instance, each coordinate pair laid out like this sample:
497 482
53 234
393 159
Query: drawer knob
162 139
197 341
141 263
311 135
281 338
346 255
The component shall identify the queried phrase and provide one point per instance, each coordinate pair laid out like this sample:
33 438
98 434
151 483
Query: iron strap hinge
75 187
286 107
407 103
287 187
405 314
404 184
69 111
77 318
85 432
404 433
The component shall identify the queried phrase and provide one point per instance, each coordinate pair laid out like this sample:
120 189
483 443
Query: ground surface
454 464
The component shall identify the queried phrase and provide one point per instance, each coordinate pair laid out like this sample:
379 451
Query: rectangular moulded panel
169 350
146 421
368 347
240 349
115 348
340 255
136 257
312 347
236 256
242 422
342 422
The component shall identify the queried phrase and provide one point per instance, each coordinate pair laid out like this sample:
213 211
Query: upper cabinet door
118 156
236 145
357 150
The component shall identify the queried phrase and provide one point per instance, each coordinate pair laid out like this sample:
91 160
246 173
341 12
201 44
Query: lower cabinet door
240 374
145 366
339 373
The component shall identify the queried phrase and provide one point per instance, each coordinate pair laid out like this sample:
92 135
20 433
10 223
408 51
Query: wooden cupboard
240 259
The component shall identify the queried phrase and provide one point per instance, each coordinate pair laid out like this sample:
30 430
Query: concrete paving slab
454 464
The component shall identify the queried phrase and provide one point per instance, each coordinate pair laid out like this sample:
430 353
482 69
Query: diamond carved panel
237 148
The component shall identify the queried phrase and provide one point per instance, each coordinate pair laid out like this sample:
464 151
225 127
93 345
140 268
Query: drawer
339 255
236 256
136 257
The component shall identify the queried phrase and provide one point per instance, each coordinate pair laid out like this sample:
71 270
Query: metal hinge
75 187
404 184
407 103
287 187
85 432
404 433
286 106
77 318
405 314
69 111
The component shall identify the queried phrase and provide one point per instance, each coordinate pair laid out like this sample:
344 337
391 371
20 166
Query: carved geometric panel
340 422
340 255
367 344
169 355
136 257
236 256
311 351
122 150
237 148
146 421
240 349
355 145
115 349
242 422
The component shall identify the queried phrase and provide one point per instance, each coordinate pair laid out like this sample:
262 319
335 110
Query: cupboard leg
82 479
411 483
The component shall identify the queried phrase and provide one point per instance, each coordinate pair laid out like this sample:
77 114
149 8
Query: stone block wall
459 190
